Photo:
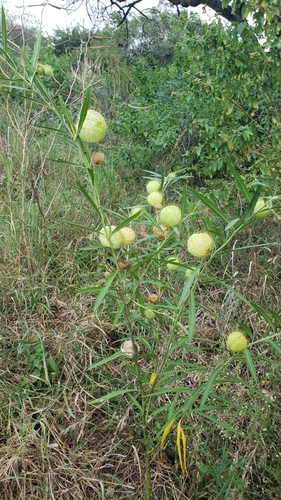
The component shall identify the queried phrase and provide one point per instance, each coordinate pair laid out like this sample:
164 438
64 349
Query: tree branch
215 5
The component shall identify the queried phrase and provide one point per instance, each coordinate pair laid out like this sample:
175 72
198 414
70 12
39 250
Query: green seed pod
48 71
173 264
153 186
94 127
262 208
149 314
155 199
170 216
110 240
236 341
200 245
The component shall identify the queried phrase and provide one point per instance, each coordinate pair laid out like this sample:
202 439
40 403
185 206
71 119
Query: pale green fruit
259 210
155 198
170 216
236 341
173 264
153 186
149 314
189 272
94 127
40 69
48 71
110 240
137 209
171 175
200 245
128 234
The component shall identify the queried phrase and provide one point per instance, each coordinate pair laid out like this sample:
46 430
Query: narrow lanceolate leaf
274 346
181 447
250 364
4 32
36 50
209 203
106 360
83 112
104 291
191 316
240 183
165 433
209 385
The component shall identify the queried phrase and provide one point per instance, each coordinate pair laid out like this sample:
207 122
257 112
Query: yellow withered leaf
165 433
181 447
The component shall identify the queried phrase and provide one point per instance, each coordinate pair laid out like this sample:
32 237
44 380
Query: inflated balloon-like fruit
170 216
200 245
153 298
161 234
48 71
236 341
189 272
262 208
98 158
153 186
93 128
174 263
108 239
149 314
155 198
137 209
128 234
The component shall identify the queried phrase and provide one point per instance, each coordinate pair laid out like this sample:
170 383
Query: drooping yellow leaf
165 433
153 377
181 447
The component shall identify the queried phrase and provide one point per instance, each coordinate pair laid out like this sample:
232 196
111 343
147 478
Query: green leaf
104 361
209 203
191 316
240 183
111 395
249 362
209 385
187 286
104 290
274 346
36 50
83 112
4 31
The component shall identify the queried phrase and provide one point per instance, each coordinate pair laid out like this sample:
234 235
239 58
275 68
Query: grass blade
4 31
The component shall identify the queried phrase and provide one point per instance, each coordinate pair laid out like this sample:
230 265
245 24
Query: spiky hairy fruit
48 71
170 216
110 239
98 158
153 186
200 245
155 199
94 127
128 234
236 341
